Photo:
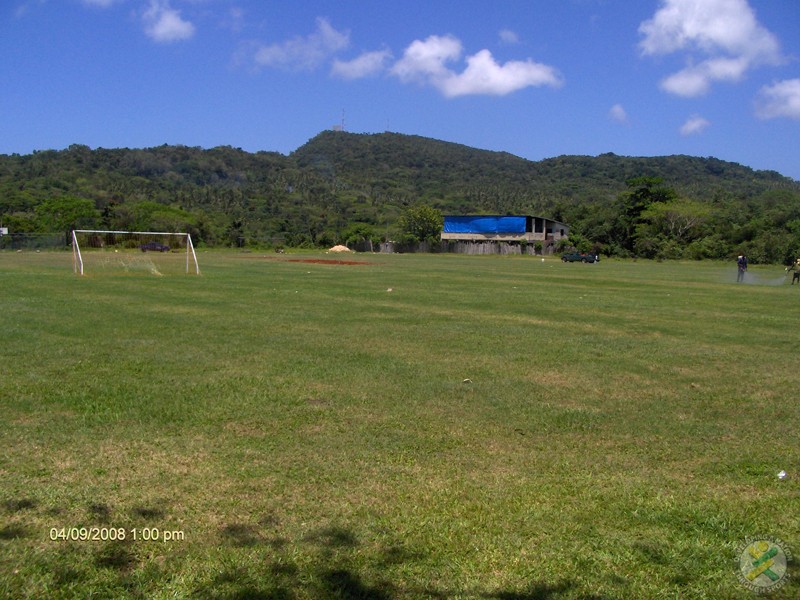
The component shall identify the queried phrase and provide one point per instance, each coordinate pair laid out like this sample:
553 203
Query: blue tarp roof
484 224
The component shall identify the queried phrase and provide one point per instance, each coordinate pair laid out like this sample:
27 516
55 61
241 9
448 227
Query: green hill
322 190
444 173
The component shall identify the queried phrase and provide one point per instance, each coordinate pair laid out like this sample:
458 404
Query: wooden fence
458 247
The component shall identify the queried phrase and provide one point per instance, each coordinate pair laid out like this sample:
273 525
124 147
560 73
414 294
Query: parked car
154 247
580 257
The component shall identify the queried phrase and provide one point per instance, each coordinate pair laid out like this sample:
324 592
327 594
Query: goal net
156 253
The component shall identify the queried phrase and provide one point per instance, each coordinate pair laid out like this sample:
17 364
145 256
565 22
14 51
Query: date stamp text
104 534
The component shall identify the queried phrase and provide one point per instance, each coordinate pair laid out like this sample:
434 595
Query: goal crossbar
77 256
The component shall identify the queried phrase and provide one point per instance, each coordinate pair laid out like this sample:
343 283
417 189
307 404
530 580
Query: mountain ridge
338 181
705 171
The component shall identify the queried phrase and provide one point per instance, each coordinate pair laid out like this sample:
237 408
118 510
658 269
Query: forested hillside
342 187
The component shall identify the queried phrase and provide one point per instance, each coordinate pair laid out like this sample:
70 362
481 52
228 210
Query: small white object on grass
782 475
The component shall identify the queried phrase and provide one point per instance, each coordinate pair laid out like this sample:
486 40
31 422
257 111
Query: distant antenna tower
341 126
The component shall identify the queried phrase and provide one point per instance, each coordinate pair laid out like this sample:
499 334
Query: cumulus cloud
695 124
24 7
509 37
781 99
304 53
369 63
164 23
617 113
234 20
426 62
722 40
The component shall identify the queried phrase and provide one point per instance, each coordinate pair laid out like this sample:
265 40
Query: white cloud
723 34
695 124
426 61
369 63
304 53
23 7
509 37
696 80
484 75
781 99
234 20
100 3
164 23
617 113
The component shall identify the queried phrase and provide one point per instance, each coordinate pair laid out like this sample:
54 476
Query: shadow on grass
341 583
13 532
115 555
100 511
147 513
242 535
18 505
332 537
254 562
537 591
334 572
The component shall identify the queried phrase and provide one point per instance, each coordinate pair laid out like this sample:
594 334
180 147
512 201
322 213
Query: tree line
352 188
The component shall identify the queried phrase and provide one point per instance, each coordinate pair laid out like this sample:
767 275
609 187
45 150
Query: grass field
411 426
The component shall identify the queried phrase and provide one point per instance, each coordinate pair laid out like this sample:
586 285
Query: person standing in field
741 264
795 266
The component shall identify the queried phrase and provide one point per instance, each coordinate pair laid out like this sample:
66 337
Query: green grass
492 427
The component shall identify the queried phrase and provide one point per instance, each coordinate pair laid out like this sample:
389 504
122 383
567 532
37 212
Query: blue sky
536 78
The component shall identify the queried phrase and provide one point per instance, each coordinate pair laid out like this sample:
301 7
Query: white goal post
144 251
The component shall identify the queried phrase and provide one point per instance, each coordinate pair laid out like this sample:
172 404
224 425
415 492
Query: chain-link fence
34 241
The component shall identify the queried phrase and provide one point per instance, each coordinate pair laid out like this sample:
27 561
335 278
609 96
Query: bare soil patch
317 261
327 261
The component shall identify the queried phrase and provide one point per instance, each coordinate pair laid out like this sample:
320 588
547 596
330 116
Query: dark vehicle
154 247
578 257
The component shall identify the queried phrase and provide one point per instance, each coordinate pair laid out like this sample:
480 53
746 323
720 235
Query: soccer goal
151 252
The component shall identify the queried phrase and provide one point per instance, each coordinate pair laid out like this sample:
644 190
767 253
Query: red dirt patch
327 261
316 261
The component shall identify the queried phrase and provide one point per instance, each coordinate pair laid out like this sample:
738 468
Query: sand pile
339 249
